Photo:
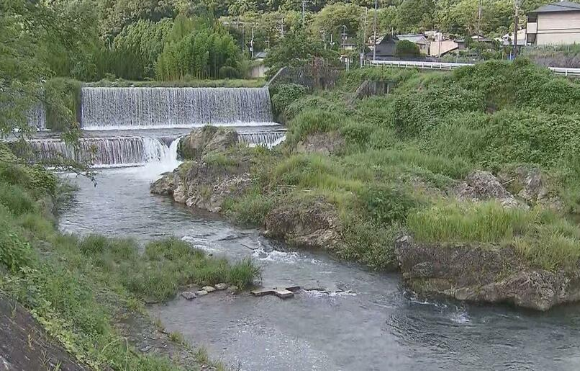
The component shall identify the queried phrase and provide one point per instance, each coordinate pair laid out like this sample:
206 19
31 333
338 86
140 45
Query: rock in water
208 288
205 140
483 273
201 293
188 295
311 223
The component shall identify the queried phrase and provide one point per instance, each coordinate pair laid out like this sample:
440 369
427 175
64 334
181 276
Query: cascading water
135 108
37 117
267 139
140 125
115 151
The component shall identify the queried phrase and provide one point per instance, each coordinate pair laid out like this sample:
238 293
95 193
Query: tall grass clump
16 199
314 121
544 238
251 209
469 222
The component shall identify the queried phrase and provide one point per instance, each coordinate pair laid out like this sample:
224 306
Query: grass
405 152
540 235
76 286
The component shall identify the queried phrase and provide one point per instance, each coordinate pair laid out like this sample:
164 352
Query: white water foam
184 126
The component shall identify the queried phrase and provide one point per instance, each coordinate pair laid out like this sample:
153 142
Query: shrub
242 273
15 253
228 72
283 95
315 121
387 204
15 199
63 103
406 48
251 209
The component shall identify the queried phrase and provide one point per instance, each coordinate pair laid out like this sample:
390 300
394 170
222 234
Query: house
420 40
554 24
508 38
349 43
385 50
440 47
257 69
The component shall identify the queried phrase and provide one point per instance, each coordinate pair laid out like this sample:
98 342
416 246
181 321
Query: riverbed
348 319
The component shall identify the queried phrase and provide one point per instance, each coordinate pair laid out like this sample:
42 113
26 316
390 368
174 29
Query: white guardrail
572 72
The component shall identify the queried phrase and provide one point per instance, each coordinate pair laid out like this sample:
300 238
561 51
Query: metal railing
570 72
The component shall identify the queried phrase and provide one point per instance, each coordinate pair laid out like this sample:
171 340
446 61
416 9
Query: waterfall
37 117
106 152
263 138
138 108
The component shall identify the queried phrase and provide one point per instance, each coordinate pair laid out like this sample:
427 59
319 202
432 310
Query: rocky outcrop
324 143
483 273
205 140
483 186
312 223
217 170
530 184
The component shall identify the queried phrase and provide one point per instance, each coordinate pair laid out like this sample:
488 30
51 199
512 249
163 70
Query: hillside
484 158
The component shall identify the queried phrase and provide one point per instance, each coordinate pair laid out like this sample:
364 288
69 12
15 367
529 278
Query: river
366 321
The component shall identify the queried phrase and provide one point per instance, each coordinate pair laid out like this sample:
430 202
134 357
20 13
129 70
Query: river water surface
364 320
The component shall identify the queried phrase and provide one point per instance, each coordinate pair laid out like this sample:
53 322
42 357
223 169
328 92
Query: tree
296 50
407 49
202 53
415 15
332 18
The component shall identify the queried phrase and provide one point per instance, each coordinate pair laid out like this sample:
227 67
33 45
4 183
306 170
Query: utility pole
252 42
479 19
303 12
516 23
282 27
364 40
375 32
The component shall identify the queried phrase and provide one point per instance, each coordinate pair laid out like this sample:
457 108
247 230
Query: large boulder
308 223
217 169
530 184
205 140
483 273
324 143
483 186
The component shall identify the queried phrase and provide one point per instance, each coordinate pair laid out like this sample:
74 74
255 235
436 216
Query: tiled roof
563 6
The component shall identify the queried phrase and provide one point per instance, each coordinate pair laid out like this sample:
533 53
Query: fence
569 72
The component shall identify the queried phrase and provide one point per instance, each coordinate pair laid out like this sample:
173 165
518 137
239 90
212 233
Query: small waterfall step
263 138
106 151
106 108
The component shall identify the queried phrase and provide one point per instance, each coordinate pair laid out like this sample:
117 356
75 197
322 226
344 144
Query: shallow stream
364 320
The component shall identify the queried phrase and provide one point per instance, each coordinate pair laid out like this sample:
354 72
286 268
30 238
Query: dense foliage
402 155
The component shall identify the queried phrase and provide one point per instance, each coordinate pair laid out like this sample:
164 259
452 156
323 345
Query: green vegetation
402 155
77 287
407 49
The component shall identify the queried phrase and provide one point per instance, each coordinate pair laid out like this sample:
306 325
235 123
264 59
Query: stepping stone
221 286
208 288
263 292
283 293
201 293
233 288
188 295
